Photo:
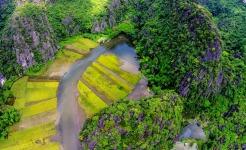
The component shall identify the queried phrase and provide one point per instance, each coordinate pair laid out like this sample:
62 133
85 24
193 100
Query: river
70 115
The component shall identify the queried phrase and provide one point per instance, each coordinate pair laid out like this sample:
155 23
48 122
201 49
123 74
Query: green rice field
112 63
89 100
109 80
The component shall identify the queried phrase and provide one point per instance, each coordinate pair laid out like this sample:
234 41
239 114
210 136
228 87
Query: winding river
70 115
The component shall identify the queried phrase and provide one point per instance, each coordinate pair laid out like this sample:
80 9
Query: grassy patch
79 42
109 89
32 137
89 101
85 44
99 38
111 76
39 108
19 103
43 69
68 55
19 87
111 62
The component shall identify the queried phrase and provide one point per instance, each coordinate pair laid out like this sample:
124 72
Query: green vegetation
39 108
6 11
122 83
19 87
25 92
8 115
37 91
68 55
112 63
85 44
89 100
32 138
180 48
80 42
200 54
104 85
147 124
76 16
39 69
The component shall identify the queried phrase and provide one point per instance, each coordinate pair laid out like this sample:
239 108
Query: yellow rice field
111 62
39 108
85 44
108 88
89 101
113 77
37 137
42 84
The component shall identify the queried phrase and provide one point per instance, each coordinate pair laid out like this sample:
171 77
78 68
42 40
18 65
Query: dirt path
101 96
32 121
140 90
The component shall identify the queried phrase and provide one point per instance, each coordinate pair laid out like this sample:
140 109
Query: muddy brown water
70 115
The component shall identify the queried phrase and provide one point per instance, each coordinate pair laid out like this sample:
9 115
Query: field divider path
36 102
33 121
114 74
101 96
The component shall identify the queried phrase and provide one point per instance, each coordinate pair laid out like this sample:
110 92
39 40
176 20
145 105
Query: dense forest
150 123
195 48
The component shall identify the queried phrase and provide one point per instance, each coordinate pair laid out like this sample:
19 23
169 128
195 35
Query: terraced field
104 82
36 129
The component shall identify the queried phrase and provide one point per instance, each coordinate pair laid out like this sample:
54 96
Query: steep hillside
69 18
179 46
27 40
150 123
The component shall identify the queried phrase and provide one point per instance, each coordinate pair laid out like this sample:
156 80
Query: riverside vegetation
195 49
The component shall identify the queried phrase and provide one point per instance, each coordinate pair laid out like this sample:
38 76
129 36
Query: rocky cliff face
31 37
114 15
28 38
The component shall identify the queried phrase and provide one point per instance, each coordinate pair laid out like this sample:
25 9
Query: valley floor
108 79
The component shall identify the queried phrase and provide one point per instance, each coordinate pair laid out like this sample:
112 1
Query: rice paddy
112 63
113 76
37 94
85 44
108 88
37 100
102 83
89 100
38 137
39 108
104 77
36 127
